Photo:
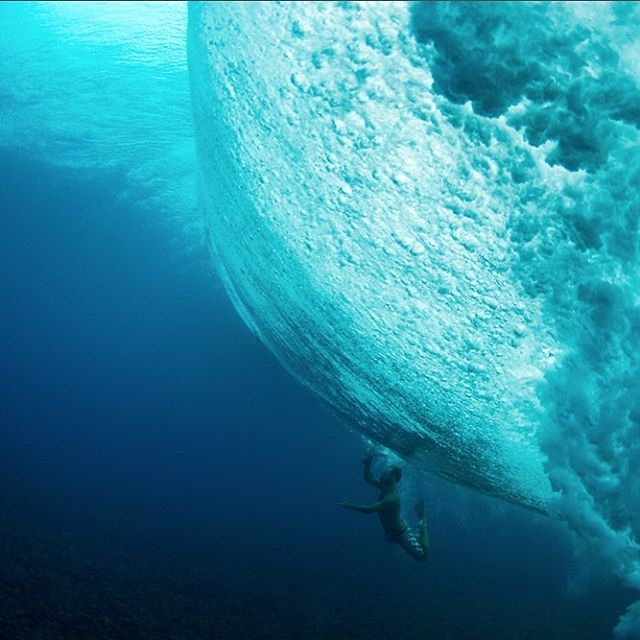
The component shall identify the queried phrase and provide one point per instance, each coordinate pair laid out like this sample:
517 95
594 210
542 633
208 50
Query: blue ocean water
162 475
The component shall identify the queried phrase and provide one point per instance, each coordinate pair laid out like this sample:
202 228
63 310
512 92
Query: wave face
429 213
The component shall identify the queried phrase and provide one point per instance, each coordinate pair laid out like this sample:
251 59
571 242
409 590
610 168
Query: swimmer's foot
420 509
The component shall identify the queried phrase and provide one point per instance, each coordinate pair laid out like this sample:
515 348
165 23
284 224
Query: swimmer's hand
368 459
345 503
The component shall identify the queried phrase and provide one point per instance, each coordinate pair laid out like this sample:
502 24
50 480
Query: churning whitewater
429 213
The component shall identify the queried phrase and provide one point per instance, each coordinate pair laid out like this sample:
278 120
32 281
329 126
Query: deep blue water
163 477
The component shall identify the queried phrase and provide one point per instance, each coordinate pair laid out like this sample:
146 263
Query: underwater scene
319 320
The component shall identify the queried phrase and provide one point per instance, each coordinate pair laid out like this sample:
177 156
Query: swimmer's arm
368 476
363 508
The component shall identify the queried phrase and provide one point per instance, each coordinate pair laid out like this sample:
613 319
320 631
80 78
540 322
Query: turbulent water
430 213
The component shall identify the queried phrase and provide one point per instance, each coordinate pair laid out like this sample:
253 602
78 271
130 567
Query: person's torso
389 515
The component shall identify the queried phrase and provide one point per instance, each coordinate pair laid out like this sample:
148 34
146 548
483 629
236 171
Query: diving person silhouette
388 508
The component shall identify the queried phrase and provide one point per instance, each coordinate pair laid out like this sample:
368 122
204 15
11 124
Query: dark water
162 477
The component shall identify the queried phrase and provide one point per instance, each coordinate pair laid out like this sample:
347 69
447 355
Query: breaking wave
429 213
